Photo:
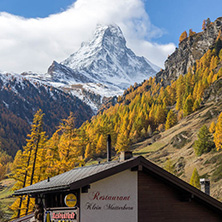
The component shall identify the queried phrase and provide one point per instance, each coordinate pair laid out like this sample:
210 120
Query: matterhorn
101 68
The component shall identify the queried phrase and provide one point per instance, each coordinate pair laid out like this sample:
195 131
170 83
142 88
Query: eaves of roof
81 177
86 175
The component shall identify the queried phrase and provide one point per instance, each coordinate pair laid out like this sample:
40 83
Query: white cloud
32 44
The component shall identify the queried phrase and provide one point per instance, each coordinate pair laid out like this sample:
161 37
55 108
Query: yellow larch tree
101 146
218 133
171 119
183 36
180 89
212 127
28 169
191 32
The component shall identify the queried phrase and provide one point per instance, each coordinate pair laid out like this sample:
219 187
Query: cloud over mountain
32 44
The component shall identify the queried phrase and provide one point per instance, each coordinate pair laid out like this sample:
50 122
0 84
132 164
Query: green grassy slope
176 144
6 198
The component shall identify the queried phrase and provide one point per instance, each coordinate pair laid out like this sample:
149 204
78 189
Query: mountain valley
100 69
160 117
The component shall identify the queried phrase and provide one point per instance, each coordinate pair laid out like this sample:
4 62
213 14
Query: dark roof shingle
82 176
65 180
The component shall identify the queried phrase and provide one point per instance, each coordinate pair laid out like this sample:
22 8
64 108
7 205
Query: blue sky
175 16
34 8
53 29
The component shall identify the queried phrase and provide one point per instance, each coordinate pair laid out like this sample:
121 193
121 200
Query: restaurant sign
62 214
113 199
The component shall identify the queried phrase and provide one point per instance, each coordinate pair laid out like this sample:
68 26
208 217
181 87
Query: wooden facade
151 194
160 201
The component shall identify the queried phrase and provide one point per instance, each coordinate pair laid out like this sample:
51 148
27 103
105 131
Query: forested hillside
144 111
20 98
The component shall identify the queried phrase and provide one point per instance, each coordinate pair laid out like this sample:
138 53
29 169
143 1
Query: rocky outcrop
214 92
63 74
107 103
189 50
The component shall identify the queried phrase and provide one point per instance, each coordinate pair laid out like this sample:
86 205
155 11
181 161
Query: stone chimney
205 186
125 155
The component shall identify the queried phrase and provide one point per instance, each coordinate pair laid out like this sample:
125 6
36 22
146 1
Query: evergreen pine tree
204 143
2 213
218 46
208 21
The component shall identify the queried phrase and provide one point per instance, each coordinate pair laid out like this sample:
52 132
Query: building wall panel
160 202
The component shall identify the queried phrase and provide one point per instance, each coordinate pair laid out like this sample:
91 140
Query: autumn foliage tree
70 151
28 164
142 110
218 133
183 36
188 106
191 32
212 127
171 119
5 164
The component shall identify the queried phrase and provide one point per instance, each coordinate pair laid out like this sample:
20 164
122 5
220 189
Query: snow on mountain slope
20 98
102 67
107 59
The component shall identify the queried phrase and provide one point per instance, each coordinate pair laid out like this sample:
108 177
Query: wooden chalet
129 190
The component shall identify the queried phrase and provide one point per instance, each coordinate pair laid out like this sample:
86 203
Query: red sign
61 214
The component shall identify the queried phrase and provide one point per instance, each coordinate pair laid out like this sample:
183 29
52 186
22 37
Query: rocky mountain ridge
101 68
106 59
189 50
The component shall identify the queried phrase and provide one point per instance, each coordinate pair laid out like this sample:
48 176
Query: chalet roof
82 176
78 177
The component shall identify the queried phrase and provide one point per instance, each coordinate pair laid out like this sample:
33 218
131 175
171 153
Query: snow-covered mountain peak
103 61
106 39
105 34
102 68
111 35
106 59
